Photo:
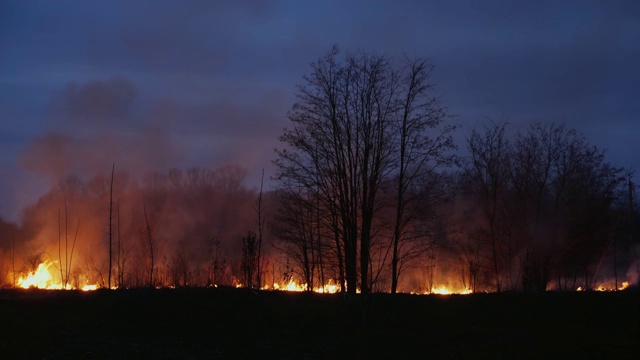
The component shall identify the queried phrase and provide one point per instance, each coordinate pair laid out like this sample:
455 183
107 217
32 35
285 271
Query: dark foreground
241 324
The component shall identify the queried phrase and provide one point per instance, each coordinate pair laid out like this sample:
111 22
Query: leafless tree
260 213
344 144
122 256
294 225
249 263
149 239
111 226
217 263
548 202
487 168
423 144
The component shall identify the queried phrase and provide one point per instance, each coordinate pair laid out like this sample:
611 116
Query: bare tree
548 203
217 263
344 146
423 145
249 263
121 258
111 226
148 236
294 224
260 213
487 169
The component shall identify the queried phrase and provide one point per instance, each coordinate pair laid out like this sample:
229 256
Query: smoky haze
161 87
101 122
209 84
185 165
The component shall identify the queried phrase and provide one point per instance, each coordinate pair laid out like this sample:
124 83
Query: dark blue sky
156 84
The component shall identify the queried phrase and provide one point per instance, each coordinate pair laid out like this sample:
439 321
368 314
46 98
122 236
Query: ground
227 323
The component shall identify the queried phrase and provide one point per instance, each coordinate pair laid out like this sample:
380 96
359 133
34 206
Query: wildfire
42 278
329 288
443 290
47 276
607 287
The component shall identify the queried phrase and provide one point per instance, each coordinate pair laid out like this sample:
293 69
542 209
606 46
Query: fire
625 284
329 288
607 287
290 286
444 290
42 278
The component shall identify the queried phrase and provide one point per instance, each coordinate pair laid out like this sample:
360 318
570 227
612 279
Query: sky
151 85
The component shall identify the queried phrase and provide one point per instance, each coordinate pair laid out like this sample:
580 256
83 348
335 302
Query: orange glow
444 290
625 284
329 288
42 278
607 287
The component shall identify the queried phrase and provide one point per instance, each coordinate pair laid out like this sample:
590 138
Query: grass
226 323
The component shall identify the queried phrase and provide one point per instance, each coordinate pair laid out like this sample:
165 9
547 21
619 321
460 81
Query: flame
444 290
607 287
625 284
329 288
42 278
292 285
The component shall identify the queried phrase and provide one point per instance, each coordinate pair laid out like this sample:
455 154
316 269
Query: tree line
371 194
370 186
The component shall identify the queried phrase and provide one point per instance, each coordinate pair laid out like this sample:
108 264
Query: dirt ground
225 323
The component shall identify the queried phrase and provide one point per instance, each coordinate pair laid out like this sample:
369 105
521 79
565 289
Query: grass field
226 323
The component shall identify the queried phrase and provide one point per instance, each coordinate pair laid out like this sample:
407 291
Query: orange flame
607 287
329 288
42 278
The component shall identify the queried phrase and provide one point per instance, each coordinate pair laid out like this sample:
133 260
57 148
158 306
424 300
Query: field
227 323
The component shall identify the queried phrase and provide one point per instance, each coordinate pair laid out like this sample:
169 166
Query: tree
487 170
294 224
359 125
111 225
149 240
249 262
548 203
423 144
260 213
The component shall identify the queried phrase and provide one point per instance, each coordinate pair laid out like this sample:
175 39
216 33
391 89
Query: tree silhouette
353 121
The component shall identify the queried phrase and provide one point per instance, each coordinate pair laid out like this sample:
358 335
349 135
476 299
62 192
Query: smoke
98 104
55 155
94 125
186 166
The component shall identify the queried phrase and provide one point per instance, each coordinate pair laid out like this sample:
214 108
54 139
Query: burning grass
235 323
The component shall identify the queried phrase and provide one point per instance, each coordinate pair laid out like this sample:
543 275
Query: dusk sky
153 85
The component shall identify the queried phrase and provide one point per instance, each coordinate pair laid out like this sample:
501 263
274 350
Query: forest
372 194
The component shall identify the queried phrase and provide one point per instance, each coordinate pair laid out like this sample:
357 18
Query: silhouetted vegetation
371 195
